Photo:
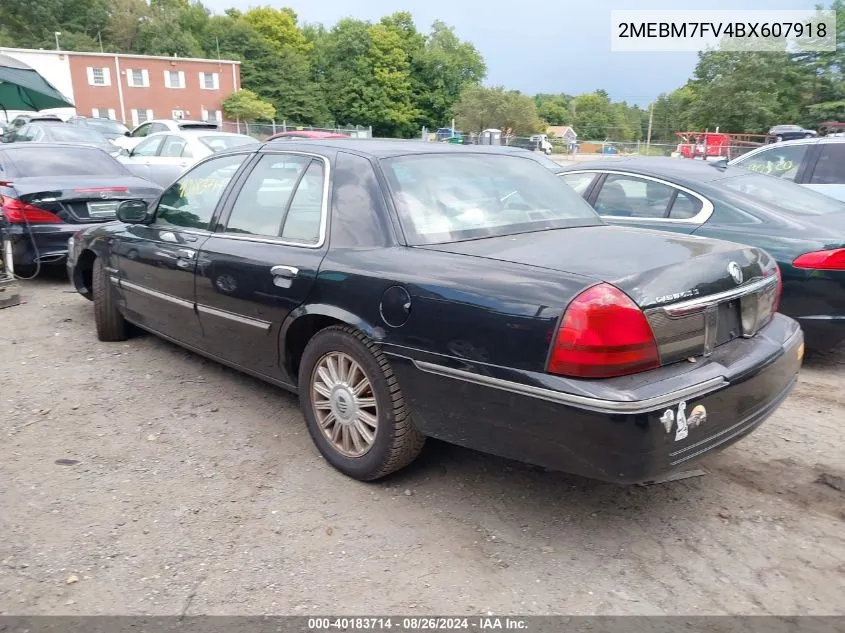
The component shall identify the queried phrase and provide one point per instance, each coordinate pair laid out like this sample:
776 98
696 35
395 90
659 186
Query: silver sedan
163 156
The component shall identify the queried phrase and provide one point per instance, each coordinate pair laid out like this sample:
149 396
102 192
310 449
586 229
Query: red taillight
822 260
101 189
18 212
603 333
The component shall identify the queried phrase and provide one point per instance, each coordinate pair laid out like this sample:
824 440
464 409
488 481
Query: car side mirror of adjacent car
133 212
127 133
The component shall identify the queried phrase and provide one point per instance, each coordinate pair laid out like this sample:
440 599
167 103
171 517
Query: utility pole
650 121
57 33
100 37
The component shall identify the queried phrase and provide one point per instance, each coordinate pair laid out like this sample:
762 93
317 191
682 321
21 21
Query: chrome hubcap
344 404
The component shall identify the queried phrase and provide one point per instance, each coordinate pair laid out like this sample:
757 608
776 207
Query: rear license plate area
728 323
102 209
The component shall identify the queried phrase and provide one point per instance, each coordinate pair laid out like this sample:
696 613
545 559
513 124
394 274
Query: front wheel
353 405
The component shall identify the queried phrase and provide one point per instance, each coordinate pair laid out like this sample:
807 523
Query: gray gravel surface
190 488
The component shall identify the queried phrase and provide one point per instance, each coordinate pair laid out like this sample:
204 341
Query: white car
146 128
163 156
816 163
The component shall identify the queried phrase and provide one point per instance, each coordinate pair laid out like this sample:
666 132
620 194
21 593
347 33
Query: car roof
193 133
41 147
385 148
683 169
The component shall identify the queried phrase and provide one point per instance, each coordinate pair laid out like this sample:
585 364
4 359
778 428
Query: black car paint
470 349
815 298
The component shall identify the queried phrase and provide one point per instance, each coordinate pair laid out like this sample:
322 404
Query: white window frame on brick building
137 78
141 116
213 84
169 76
104 113
99 76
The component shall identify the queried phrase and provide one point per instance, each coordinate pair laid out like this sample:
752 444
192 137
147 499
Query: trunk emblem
735 272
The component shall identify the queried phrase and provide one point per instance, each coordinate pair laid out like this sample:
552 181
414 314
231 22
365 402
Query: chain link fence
262 131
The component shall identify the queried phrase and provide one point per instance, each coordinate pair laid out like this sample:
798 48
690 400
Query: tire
808 136
778 138
395 441
111 326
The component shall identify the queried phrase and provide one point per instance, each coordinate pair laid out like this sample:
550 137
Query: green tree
554 109
245 105
479 108
747 91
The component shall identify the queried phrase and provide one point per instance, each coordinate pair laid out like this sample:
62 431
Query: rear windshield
451 197
70 134
783 194
217 143
107 127
65 161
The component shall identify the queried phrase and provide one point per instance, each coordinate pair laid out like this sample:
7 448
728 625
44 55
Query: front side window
143 130
190 201
633 197
781 162
579 182
282 198
448 197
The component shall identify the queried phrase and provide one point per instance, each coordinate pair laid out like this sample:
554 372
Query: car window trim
223 221
698 219
218 208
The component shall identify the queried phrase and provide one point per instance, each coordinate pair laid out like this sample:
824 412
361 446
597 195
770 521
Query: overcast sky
539 45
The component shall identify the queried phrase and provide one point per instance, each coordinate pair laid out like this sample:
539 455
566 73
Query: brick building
136 88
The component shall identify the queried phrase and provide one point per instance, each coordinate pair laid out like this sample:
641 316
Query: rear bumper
622 430
50 242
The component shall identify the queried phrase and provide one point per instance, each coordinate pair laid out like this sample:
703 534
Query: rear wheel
354 407
111 326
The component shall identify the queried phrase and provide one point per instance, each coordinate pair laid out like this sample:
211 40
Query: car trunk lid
696 293
82 199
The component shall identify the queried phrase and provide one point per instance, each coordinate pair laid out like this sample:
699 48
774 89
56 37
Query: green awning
22 88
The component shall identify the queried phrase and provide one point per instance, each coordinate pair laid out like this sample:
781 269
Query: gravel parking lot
138 478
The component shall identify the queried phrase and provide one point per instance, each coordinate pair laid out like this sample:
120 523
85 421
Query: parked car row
408 290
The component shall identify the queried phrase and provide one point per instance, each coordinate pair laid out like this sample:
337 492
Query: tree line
386 74
398 79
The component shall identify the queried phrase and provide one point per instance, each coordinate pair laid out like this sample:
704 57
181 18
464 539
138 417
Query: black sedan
802 229
790 132
50 191
407 290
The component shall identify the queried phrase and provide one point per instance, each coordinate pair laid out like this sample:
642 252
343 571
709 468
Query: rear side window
67 161
629 196
685 207
282 198
830 169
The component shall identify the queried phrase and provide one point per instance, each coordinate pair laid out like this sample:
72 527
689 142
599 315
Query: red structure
718 145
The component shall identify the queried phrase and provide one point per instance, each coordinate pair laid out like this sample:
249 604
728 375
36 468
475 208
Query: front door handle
186 253
286 272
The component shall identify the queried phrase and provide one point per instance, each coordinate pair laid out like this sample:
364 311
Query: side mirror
127 133
132 211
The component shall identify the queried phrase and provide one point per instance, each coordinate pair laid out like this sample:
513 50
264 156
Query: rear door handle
286 272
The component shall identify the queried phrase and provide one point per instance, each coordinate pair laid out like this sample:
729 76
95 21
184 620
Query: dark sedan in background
410 289
58 132
50 191
803 230
109 128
